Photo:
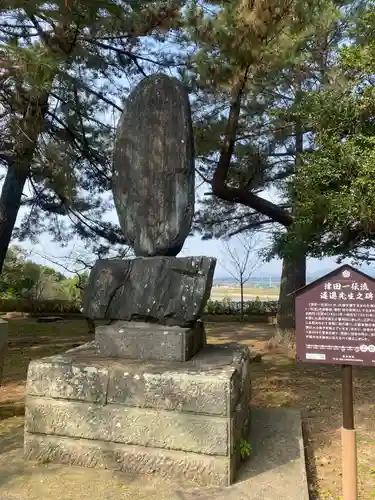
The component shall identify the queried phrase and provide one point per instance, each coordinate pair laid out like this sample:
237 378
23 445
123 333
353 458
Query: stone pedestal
138 340
179 420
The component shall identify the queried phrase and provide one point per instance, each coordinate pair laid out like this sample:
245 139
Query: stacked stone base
181 421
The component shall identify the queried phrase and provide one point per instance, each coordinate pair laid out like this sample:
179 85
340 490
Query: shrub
215 307
39 306
251 307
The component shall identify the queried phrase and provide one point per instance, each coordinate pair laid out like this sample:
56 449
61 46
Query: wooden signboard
335 319
335 324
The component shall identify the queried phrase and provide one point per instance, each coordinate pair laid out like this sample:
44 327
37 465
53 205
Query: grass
316 390
277 381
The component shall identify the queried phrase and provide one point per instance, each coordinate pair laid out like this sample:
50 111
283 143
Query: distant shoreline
250 293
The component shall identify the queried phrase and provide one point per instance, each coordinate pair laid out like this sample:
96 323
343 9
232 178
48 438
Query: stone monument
148 395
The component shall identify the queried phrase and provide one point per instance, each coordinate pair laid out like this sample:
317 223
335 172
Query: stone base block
139 340
131 459
182 421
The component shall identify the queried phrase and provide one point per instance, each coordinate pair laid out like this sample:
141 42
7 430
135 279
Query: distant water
248 298
253 283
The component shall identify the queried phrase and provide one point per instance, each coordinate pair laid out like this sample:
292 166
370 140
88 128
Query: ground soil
277 382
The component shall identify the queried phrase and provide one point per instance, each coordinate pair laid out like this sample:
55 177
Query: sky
194 246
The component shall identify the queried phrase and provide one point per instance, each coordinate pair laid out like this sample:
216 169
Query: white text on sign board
351 291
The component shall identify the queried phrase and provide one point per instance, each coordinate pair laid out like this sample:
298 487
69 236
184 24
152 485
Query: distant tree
46 282
23 278
12 279
241 259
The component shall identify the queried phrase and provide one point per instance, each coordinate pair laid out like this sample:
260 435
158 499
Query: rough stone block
170 390
160 414
181 466
130 339
166 290
62 379
121 424
3 345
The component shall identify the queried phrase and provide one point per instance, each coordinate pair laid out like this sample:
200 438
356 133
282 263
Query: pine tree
260 118
335 184
65 68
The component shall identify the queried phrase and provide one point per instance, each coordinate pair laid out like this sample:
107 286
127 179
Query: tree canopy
335 184
22 278
250 131
65 69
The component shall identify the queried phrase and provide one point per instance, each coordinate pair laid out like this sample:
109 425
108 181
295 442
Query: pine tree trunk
18 169
10 202
293 277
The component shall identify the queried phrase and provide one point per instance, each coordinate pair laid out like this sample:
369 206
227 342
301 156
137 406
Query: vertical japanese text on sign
335 319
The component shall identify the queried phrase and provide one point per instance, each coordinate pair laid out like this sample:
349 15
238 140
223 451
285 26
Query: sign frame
338 328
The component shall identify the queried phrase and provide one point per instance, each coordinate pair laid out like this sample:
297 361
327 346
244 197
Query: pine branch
100 96
85 149
219 180
251 227
42 35
92 226
128 54
83 115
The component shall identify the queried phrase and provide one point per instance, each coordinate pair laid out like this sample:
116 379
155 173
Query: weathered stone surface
171 390
212 383
138 340
3 345
167 290
121 424
153 168
199 408
63 379
181 466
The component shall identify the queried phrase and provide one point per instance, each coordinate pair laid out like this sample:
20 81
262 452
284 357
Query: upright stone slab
153 168
166 290
3 345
